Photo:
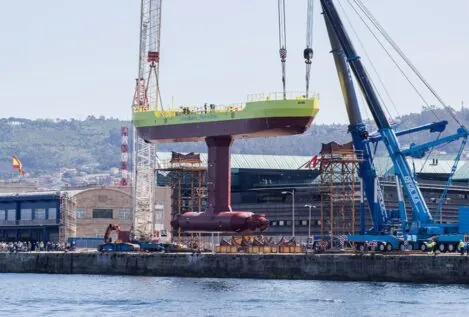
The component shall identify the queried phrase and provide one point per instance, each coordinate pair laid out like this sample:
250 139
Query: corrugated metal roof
462 173
39 193
29 194
383 165
254 161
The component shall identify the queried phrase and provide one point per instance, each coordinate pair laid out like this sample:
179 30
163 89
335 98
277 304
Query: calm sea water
87 295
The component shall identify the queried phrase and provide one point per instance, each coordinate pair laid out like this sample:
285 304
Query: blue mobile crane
391 228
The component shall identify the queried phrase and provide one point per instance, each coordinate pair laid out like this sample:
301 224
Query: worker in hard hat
431 246
461 247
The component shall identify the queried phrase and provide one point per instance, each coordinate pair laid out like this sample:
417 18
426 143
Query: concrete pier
369 267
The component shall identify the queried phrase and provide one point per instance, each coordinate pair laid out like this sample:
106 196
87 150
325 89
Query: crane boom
360 138
282 38
422 217
401 166
146 98
308 51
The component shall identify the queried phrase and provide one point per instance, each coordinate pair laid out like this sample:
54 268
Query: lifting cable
282 38
371 62
157 87
159 92
450 111
372 65
383 32
395 63
450 177
308 52
428 156
402 72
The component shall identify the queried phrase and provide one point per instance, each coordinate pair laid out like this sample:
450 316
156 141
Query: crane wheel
360 247
442 247
451 248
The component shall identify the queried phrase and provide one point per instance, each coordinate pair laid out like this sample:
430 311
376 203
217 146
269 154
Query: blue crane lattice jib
401 166
419 151
439 126
366 171
450 178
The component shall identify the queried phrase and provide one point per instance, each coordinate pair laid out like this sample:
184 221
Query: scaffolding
186 176
338 167
68 220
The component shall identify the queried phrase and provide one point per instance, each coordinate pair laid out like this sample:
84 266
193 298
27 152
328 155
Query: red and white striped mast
124 181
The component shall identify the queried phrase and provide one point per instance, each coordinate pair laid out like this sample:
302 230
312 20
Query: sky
71 59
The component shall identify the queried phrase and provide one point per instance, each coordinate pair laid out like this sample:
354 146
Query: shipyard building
285 188
290 188
73 213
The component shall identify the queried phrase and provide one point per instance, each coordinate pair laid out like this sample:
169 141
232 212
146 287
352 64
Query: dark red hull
235 221
240 128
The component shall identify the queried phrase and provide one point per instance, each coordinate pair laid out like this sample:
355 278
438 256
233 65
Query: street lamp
292 209
309 219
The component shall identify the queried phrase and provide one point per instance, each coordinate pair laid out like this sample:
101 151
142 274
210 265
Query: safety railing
38 222
195 110
213 108
7 222
28 222
279 96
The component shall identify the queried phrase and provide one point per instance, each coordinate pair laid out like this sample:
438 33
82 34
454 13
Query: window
81 213
273 223
281 223
159 210
304 223
11 214
40 214
52 213
102 213
26 214
124 213
2 214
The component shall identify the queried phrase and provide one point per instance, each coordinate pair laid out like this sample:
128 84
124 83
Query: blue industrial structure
33 216
391 227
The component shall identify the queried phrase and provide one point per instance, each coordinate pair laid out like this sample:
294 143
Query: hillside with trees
49 145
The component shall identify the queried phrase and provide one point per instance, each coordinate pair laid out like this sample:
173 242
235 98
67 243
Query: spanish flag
17 164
